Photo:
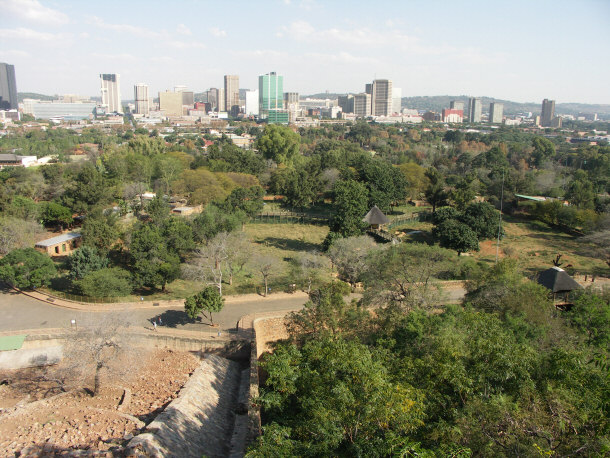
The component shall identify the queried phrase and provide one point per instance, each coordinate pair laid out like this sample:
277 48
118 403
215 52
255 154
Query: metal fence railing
290 218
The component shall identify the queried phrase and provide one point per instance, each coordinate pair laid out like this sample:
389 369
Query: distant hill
34 95
438 102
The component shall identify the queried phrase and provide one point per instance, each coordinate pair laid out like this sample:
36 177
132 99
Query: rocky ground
44 415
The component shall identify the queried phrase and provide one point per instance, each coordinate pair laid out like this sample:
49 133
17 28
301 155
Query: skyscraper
291 103
140 91
111 92
232 94
456 105
252 103
362 105
396 99
271 98
474 109
381 97
548 113
8 87
496 111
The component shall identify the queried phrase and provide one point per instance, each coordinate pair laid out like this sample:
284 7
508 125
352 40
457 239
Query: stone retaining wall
200 422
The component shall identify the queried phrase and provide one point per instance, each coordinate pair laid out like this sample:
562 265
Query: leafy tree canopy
27 268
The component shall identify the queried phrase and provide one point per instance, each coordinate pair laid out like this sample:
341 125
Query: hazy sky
522 50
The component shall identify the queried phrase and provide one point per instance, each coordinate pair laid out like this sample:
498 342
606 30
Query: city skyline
422 47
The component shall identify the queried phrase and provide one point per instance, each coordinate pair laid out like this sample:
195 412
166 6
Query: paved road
19 312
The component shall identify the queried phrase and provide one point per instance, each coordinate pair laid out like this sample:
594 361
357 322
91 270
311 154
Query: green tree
279 143
105 282
350 206
580 191
457 236
463 193
435 192
214 220
206 301
158 210
84 260
153 264
249 200
55 214
482 218
338 399
100 231
88 189
178 236
544 149
27 268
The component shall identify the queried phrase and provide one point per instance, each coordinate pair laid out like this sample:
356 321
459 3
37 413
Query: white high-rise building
396 99
111 92
252 103
141 99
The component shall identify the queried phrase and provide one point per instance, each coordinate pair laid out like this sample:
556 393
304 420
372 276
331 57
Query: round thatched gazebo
558 282
375 218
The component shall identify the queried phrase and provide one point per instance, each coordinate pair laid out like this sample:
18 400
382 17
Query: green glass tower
271 98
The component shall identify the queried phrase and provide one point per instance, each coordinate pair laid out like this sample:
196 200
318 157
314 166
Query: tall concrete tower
496 111
548 113
381 98
475 108
141 98
8 87
232 94
111 92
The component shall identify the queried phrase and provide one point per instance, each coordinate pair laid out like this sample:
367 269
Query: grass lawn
284 241
534 244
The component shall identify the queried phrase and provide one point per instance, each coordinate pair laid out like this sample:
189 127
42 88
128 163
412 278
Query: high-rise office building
456 105
170 103
8 87
475 108
381 97
111 92
362 105
220 96
291 102
232 94
252 103
548 113
346 102
271 98
396 99
496 112
213 98
141 98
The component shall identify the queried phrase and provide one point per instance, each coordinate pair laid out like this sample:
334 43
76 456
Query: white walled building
396 99
111 92
252 103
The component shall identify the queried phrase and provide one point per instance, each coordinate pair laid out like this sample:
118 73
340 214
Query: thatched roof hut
557 280
375 218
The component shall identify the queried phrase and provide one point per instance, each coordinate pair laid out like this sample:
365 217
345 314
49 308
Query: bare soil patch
38 418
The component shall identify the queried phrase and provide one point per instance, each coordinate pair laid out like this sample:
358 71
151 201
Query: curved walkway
33 310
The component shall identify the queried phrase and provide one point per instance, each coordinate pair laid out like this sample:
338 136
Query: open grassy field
532 243
283 241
